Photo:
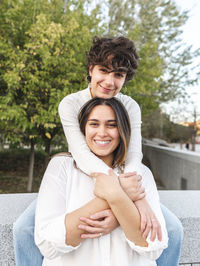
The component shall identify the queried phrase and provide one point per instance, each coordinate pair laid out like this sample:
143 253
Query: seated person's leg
26 252
171 255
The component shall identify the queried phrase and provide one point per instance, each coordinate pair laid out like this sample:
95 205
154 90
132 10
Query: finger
159 233
141 190
100 215
139 185
142 195
147 228
143 222
128 174
154 230
91 222
139 178
90 229
91 236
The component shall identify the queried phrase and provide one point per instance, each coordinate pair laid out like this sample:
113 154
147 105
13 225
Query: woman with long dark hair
66 194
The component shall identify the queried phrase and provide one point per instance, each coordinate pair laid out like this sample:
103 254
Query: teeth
102 141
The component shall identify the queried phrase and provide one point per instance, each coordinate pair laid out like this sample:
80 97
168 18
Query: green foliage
44 60
158 125
165 61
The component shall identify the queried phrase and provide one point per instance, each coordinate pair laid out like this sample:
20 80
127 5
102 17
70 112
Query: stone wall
175 169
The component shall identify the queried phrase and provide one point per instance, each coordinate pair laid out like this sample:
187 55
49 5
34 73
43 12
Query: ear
91 69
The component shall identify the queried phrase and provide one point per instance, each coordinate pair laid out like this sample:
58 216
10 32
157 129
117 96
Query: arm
68 110
131 184
134 154
154 248
51 225
152 198
133 163
108 188
72 220
104 221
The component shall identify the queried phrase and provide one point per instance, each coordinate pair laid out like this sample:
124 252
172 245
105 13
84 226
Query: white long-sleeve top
64 189
69 108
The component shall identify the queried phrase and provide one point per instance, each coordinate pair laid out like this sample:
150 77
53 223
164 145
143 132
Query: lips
102 142
105 89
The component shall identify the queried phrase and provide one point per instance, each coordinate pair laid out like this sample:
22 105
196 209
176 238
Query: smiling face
105 82
101 133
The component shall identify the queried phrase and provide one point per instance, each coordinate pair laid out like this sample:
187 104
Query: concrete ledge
11 206
185 204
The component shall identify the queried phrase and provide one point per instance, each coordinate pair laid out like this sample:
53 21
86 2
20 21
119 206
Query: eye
119 75
93 124
104 70
112 125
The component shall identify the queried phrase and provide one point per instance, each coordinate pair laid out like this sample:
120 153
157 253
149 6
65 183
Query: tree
44 65
165 61
158 125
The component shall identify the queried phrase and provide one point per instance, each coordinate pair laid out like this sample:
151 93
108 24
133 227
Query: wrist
101 203
115 196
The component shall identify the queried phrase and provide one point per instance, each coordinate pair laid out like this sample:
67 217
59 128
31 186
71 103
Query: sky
191 36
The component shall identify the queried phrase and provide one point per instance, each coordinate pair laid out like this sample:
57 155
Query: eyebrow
110 120
123 70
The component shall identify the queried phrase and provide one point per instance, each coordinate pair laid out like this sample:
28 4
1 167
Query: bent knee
175 231
22 228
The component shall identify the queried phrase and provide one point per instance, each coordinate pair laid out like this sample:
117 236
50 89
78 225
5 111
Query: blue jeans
171 255
27 253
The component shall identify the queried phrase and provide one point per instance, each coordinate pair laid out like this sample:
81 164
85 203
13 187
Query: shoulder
129 103
74 100
60 164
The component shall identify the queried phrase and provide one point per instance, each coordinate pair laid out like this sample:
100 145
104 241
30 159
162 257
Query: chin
105 96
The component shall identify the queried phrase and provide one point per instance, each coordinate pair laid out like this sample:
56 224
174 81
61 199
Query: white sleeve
134 154
68 110
155 248
50 231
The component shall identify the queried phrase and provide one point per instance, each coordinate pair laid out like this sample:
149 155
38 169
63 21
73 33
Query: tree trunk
1 142
47 155
31 167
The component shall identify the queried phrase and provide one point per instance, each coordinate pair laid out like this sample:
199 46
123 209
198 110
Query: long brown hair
122 120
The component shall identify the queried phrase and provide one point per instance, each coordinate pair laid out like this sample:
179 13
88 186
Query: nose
110 79
102 131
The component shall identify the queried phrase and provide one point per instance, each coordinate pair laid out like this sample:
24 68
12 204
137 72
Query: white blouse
69 108
64 189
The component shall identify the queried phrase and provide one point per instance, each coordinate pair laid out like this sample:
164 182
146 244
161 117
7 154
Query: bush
18 160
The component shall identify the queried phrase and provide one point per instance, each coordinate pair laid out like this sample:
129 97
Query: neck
91 93
107 160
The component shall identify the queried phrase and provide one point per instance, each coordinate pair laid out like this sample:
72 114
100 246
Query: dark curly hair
120 52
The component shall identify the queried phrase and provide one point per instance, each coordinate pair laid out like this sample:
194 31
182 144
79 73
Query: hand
149 222
106 186
132 185
100 223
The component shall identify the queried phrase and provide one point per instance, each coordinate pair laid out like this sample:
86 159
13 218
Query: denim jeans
171 255
27 253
